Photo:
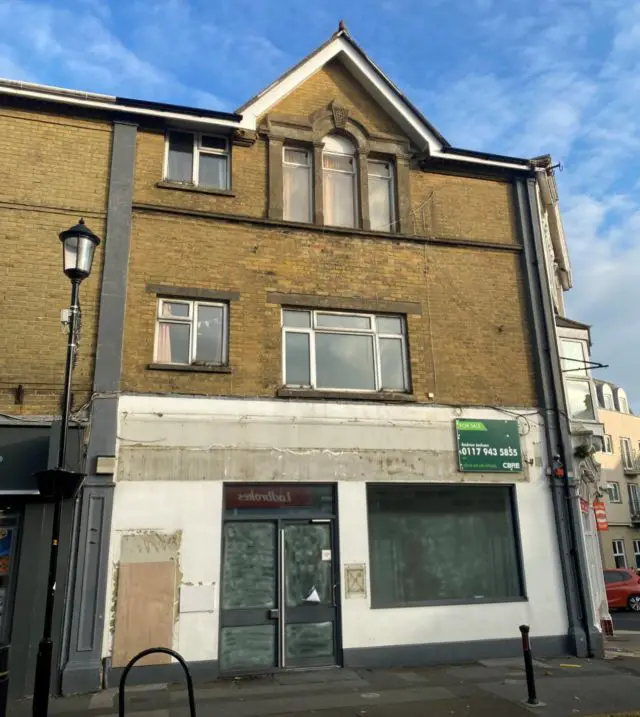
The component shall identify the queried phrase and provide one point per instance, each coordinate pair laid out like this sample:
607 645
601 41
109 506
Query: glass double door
278 595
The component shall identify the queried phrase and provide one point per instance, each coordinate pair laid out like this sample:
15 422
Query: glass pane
307 576
339 199
174 309
296 183
344 361
213 171
313 639
242 499
210 334
441 543
579 400
180 164
296 318
343 321
339 162
173 343
392 365
245 647
213 142
389 325
380 204
296 156
298 367
572 357
249 566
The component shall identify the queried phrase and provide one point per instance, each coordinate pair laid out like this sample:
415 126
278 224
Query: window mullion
312 357
193 335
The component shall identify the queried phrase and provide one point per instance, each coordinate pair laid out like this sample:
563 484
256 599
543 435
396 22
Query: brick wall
54 169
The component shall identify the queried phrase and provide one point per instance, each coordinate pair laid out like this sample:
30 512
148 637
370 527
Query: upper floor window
191 333
340 351
627 452
623 404
613 489
198 159
572 358
296 184
608 444
339 182
381 209
576 380
607 397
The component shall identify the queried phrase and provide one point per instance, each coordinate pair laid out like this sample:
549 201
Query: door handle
274 614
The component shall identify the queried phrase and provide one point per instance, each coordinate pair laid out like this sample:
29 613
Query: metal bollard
4 678
150 651
532 698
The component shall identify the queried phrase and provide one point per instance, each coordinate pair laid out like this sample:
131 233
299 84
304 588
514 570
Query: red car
623 588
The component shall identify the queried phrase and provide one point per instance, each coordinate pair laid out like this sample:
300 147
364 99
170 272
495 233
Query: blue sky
507 76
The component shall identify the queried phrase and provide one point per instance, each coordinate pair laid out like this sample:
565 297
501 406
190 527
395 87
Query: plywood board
145 611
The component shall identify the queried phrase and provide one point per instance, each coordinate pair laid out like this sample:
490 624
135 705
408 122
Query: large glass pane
572 357
180 164
339 199
307 571
249 566
344 361
392 365
313 639
441 543
173 343
298 370
296 183
210 334
579 400
245 647
213 171
380 203
343 321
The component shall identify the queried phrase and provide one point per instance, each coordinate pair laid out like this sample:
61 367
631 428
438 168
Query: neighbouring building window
296 183
341 351
191 333
199 159
627 452
339 182
619 557
623 404
613 489
433 543
608 443
576 379
636 552
634 499
607 397
381 195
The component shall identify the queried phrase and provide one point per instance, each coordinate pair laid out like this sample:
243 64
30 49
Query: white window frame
197 150
392 191
634 498
613 489
308 166
313 329
355 183
623 401
626 464
607 393
619 552
573 368
193 305
608 444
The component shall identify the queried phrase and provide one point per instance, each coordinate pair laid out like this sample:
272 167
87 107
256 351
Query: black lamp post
78 246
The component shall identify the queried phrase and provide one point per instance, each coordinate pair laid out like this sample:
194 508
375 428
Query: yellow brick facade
54 170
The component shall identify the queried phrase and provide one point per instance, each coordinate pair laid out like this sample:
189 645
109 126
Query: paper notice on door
326 556
313 596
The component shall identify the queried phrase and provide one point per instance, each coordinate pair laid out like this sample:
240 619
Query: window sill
435 603
188 368
378 396
194 188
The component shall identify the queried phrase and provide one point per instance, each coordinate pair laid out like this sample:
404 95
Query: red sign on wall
267 497
600 511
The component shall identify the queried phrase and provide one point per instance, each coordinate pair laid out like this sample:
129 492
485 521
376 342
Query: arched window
339 181
623 404
607 397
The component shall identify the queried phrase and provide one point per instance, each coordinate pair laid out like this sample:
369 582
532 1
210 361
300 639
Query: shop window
340 351
191 333
198 159
442 543
619 556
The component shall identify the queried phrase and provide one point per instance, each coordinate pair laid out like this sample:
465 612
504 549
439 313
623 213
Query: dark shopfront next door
279 580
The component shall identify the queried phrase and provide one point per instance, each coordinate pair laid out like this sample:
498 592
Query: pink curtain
164 344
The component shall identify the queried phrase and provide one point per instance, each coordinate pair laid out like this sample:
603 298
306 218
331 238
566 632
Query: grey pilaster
86 610
583 637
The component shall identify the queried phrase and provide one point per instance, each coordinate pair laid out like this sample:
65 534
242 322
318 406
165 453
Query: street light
78 247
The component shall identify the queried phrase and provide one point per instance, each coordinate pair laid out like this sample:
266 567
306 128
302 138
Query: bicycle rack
150 651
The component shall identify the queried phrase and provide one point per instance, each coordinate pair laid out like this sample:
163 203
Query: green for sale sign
488 446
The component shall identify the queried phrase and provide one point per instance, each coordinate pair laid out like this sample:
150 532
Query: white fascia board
480 160
114 107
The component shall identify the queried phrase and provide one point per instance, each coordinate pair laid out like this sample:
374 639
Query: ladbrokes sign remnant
267 497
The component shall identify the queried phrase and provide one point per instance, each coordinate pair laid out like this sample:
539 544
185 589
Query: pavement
490 688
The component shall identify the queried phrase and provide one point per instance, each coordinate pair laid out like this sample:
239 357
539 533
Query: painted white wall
174 453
